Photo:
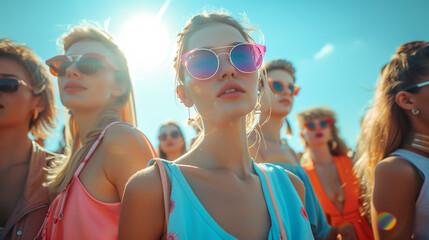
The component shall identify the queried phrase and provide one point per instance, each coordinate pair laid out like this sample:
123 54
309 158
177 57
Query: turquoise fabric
189 220
316 216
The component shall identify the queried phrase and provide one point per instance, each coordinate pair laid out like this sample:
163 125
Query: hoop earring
415 111
35 115
334 145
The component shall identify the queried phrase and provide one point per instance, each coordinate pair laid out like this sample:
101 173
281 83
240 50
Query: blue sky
337 47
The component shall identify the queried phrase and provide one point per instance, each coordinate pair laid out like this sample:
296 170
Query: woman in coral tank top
331 170
105 148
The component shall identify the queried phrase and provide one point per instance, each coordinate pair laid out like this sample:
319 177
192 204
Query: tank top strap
95 145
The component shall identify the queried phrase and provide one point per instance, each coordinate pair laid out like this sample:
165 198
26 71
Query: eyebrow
229 45
8 75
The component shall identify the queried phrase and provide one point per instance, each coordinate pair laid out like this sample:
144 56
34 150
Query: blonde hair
122 110
336 145
385 126
40 81
194 24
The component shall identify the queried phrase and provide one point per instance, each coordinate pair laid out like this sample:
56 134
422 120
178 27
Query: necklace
420 142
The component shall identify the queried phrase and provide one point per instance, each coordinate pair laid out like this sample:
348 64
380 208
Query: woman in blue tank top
216 191
394 147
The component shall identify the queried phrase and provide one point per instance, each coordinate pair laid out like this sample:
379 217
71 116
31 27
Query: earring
35 115
190 120
415 111
334 145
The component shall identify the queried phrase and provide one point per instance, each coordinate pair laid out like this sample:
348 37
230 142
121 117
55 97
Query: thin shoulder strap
95 145
165 192
274 202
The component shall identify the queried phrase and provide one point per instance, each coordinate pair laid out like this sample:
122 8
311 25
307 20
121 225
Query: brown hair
281 64
40 82
386 125
121 110
196 23
336 145
161 153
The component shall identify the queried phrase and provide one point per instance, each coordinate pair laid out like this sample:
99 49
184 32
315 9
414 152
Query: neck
225 147
171 156
271 128
321 154
420 142
16 149
85 120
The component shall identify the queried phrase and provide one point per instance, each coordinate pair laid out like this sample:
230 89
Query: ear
40 104
405 100
184 96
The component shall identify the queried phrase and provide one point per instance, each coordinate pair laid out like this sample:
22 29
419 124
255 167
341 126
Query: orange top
350 183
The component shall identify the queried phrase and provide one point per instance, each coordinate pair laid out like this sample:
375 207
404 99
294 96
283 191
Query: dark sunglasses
203 63
10 85
88 63
278 86
173 134
311 126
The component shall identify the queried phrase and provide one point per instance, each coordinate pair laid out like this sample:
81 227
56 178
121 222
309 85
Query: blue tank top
316 216
421 217
189 219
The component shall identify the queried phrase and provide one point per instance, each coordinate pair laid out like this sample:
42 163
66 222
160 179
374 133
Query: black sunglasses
11 85
173 134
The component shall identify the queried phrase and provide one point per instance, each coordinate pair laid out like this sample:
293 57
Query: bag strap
166 191
273 200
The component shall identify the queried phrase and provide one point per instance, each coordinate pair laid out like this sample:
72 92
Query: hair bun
411 47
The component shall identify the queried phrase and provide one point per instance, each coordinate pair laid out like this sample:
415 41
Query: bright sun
145 42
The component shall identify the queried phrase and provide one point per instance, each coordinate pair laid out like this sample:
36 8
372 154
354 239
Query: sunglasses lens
311 125
246 58
202 64
291 88
277 86
175 134
89 65
323 123
164 136
58 68
9 85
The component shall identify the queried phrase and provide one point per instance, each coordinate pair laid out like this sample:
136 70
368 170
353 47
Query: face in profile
17 101
283 91
317 132
170 139
87 77
227 93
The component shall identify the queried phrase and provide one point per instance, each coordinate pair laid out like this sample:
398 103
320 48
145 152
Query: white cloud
327 49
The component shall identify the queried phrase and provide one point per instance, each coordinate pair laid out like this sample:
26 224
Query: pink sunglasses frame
285 86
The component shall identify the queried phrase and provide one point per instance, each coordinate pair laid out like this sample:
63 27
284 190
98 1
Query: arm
142 210
396 189
124 152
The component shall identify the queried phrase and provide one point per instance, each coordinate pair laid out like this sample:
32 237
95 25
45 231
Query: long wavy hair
121 110
337 146
385 126
196 23
40 81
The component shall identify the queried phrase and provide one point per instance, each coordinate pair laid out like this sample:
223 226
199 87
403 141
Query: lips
73 87
285 101
319 135
230 90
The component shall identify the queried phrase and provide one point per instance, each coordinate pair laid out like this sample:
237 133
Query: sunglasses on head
278 86
11 85
203 63
311 126
88 63
173 134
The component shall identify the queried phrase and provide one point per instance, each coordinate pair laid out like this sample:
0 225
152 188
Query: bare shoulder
145 183
298 184
395 168
124 136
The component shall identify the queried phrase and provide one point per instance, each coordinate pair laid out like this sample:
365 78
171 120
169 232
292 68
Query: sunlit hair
121 110
196 23
161 153
284 65
40 82
386 126
336 145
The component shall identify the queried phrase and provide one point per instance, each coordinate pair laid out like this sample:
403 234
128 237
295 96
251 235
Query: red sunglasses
88 63
311 126
278 86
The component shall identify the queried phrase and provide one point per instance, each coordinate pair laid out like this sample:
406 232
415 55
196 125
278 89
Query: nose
73 72
226 69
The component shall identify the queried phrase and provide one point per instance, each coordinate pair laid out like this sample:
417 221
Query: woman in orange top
331 171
